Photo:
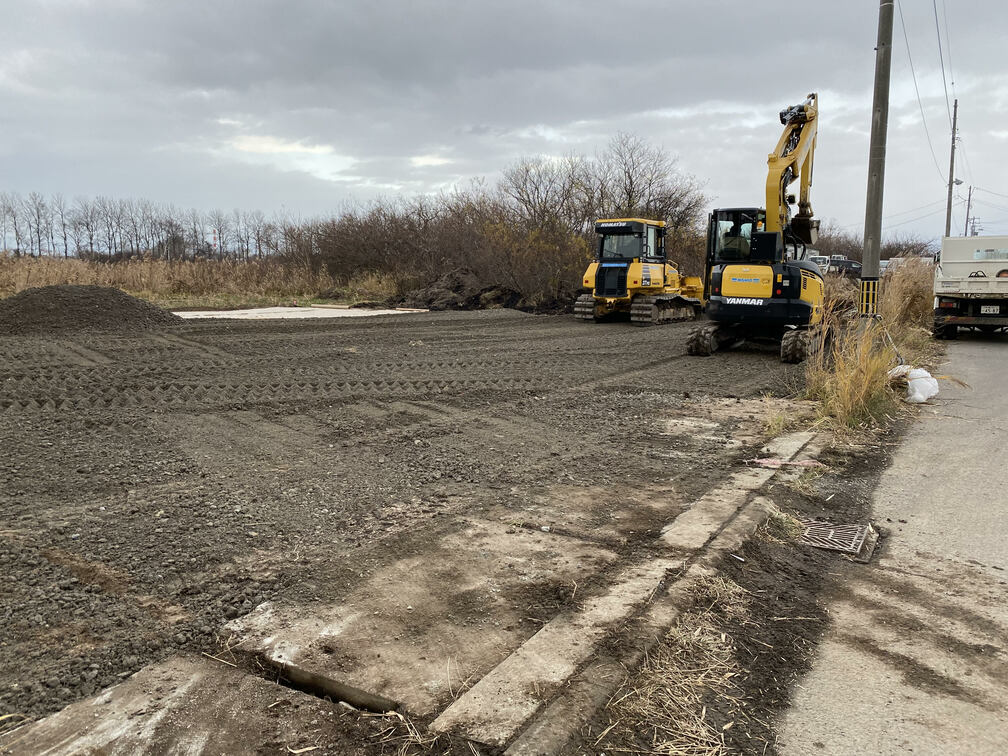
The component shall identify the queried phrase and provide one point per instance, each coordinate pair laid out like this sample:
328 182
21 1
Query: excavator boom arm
792 160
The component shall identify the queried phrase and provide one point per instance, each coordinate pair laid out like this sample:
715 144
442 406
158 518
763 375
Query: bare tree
635 178
195 225
61 221
85 220
132 226
909 245
220 223
11 209
549 192
110 224
171 231
39 219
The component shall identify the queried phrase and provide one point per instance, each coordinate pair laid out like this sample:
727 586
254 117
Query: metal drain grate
850 539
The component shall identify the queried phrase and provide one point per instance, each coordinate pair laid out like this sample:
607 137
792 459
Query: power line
990 204
921 217
948 46
914 209
948 49
901 212
919 103
941 59
996 194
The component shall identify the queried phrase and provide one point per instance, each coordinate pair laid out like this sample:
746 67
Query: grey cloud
142 97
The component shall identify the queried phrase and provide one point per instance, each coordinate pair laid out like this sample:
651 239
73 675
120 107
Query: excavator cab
733 234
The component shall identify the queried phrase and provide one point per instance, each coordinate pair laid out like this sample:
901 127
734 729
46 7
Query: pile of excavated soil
460 290
72 308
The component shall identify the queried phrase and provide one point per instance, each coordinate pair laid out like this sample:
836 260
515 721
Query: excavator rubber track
800 344
584 308
656 310
702 340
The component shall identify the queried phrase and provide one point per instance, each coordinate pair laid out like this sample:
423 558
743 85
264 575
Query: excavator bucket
805 228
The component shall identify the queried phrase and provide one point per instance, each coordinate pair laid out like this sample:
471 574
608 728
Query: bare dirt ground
158 485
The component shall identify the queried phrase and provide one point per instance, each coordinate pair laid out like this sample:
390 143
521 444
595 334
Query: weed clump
849 374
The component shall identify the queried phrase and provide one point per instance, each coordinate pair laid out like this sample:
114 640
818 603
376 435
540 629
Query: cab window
734 235
620 246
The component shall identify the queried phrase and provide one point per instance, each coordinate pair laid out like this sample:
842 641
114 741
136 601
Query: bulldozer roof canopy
625 225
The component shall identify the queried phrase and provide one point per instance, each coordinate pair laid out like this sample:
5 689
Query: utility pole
969 201
948 207
876 163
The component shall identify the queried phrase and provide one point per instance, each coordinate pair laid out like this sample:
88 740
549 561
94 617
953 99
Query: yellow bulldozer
758 286
631 274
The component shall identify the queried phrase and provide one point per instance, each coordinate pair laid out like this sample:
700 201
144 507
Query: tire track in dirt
223 464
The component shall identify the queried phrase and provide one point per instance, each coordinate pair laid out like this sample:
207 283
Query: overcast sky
305 105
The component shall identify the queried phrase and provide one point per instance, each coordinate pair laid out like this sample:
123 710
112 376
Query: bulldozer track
230 394
658 310
584 308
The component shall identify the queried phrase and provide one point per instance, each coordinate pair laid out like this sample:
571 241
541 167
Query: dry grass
841 294
849 376
777 424
400 735
172 284
367 287
662 709
907 294
782 527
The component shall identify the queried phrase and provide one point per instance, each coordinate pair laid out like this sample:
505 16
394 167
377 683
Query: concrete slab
494 709
422 627
501 704
594 685
611 514
180 706
297 313
692 529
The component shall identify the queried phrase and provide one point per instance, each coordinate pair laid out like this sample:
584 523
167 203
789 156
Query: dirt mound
72 308
460 290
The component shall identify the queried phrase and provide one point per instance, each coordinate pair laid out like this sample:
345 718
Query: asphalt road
916 660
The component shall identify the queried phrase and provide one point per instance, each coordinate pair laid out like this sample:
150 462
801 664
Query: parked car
846 268
821 260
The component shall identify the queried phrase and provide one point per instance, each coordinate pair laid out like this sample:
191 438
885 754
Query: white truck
971 285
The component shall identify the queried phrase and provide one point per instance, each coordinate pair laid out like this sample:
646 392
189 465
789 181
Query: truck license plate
990 309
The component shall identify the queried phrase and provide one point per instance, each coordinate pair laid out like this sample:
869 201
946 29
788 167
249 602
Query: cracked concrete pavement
916 659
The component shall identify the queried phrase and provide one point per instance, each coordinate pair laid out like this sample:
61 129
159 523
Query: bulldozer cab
630 239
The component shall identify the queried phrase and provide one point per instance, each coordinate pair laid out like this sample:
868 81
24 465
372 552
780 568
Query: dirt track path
157 487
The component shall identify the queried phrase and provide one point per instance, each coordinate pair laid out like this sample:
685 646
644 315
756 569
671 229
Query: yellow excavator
632 274
758 286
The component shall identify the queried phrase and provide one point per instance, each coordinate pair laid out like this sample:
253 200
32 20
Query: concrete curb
593 687
507 705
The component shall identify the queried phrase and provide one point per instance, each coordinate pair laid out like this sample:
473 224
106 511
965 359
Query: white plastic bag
921 385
